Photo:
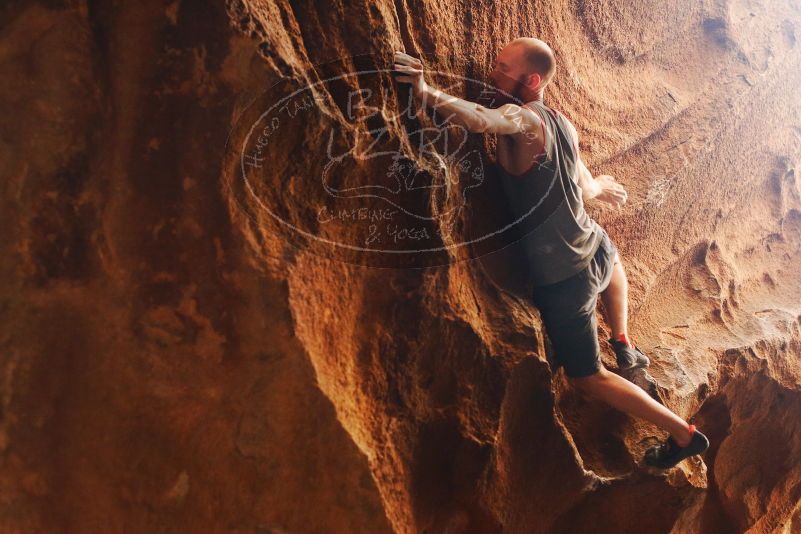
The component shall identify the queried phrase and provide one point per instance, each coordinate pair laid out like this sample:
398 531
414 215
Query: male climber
571 258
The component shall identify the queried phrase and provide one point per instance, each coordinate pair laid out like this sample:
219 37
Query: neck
533 95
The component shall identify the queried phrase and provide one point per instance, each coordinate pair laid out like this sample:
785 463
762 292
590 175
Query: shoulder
530 122
568 124
524 114
508 119
570 128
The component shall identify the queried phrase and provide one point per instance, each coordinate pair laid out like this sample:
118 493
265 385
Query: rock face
188 345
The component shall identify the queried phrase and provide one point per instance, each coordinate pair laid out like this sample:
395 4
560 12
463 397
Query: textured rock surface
172 360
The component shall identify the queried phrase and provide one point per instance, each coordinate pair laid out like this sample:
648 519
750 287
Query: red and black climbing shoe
629 357
669 453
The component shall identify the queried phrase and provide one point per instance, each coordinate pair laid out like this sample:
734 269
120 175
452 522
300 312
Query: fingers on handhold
407 57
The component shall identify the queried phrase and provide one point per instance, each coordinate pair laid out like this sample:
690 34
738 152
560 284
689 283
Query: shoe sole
671 466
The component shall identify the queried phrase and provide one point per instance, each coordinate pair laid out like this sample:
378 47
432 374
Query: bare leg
616 390
626 397
615 299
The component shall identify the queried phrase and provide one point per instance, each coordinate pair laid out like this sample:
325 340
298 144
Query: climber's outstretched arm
505 120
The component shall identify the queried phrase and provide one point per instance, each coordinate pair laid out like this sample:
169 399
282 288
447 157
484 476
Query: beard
515 96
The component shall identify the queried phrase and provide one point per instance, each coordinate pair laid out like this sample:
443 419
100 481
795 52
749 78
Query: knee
591 384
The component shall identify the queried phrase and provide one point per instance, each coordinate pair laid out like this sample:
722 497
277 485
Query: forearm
590 187
456 110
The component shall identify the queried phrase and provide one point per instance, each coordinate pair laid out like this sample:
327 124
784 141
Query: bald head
538 55
523 68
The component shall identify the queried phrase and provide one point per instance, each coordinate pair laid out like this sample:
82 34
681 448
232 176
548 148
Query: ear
534 80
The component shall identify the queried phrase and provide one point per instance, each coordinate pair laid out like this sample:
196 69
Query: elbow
479 121
478 127
478 124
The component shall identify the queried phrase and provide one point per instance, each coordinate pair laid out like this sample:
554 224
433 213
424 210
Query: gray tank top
559 238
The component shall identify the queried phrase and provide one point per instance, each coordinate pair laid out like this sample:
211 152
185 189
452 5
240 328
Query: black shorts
567 309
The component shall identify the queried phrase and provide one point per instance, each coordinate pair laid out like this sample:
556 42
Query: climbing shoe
628 358
669 453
